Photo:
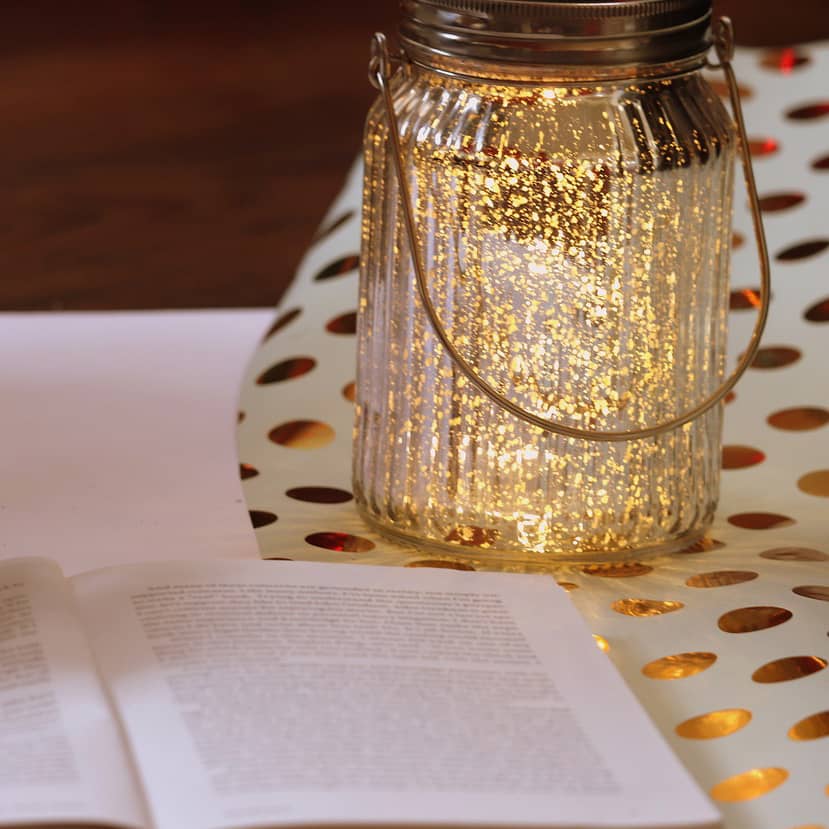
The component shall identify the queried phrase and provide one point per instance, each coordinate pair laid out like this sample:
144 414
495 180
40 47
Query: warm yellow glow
576 246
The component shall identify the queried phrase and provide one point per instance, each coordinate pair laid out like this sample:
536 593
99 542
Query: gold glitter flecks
714 724
815 483
679 665
799 418
750 619
818 592
721 578
471 536
340 542
760 520
302 434
812 727
645 607
601 643
788 668
749 784
440 564
794 554
617 570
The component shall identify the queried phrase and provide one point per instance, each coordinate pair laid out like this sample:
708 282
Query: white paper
118 436
62 758
301 693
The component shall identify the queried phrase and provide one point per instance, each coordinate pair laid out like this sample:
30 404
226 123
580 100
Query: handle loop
723 41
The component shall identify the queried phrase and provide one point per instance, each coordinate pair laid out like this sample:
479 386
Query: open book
236 694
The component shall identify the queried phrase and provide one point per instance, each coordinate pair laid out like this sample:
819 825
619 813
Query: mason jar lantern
544 279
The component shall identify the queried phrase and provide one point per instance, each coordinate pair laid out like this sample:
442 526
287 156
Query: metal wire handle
380 75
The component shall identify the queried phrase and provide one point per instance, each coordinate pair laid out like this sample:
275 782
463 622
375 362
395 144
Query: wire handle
380 76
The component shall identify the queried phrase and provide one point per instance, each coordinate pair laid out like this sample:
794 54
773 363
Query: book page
265 693
61 754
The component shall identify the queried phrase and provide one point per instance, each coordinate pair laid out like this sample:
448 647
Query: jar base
490 558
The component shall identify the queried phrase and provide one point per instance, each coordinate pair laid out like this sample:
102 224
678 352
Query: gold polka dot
327 230
441 564
737 240
750 619
721 88
343 324
286 370
261 518
819 312
810 826
679 665
809 112
821 163
281 321
749 784
569 586
472 536
760 147
802 250
345 265
775 202
240 416
760 520
812 727
788 668
784 60
745 299
794 554
601 643
741 457
703 545
721 578
799 419
645 607
730 397
319 494
815 483
776 356
247 471
340 542
277 558
350 391
617 570
819 592
302 434
714 724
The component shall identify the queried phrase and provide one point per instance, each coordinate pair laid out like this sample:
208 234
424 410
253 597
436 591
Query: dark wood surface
175 154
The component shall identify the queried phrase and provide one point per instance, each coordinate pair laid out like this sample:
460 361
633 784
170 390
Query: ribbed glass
576 239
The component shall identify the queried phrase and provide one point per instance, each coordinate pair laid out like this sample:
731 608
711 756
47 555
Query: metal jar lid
549 32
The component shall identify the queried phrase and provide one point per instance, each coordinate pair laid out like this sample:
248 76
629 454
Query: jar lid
577 32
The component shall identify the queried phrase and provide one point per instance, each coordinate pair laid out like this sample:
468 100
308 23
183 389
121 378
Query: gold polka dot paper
726 644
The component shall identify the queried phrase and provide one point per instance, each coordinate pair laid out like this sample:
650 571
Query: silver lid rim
559 33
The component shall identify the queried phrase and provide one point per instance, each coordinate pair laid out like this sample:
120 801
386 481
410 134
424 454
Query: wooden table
167 155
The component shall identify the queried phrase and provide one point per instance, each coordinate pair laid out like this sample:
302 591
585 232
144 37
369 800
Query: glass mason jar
569 176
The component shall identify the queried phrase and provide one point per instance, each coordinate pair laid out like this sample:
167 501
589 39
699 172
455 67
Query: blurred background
181 154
